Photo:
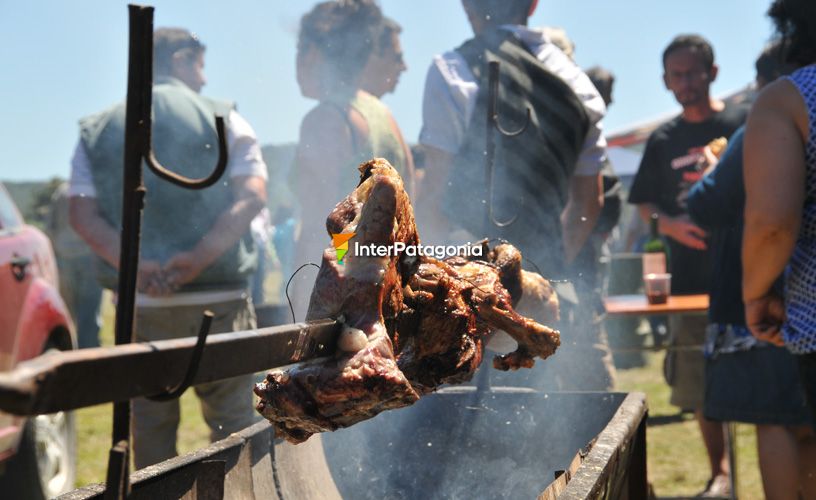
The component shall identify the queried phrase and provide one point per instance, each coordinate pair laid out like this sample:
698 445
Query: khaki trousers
227 405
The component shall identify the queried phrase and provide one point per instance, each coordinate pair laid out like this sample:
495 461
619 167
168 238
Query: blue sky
63 60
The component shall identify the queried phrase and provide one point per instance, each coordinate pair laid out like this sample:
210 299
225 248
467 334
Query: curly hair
772 62
345 32
795 22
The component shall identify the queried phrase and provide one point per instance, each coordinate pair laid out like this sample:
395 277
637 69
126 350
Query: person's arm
249 197
87 221
581 213
410 171
775 192
433 223
717 200
324 149
679 228
446 101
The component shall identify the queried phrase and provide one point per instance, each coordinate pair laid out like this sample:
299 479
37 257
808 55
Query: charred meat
411 323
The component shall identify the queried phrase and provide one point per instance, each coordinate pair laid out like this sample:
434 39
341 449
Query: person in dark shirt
748 380
672 162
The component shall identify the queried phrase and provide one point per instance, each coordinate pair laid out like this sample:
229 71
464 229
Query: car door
16 253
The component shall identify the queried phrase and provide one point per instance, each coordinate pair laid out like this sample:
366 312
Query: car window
9 217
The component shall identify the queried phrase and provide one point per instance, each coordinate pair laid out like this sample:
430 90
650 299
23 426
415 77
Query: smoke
504 444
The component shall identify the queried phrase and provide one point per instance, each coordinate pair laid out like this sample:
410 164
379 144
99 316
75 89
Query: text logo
340 243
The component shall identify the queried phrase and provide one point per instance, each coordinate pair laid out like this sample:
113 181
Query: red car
37 455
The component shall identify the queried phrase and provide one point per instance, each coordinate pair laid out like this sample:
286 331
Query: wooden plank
621 305
86 377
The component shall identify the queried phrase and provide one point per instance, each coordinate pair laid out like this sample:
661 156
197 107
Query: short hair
772 62
795 21
601 78
497 12
167 42
696 44
345 32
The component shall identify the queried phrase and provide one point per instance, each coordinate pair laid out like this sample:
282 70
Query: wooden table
621 305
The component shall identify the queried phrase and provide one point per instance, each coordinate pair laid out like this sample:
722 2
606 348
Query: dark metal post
139 98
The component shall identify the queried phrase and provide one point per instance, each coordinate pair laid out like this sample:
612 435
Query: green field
676 458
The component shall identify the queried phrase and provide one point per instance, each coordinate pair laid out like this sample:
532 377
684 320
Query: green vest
381 142
175 219
532 170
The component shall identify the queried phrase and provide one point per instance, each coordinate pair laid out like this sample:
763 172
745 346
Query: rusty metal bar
137 120
76 379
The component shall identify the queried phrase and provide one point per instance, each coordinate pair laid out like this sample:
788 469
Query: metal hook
186 182
138 147
192 367
492 104
490 153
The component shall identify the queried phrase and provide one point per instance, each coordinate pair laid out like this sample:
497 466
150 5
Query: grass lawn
677 462
676 458
94 423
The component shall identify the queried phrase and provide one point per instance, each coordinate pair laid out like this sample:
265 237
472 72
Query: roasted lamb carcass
411 323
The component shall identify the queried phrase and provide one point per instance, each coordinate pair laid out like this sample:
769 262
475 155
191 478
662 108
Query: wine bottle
655 250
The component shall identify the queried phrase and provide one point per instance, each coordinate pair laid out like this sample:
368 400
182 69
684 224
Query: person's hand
182 268
710 160
764 317
684 231
151 279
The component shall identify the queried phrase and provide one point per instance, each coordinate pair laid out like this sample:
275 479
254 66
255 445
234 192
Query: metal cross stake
490 151
138 147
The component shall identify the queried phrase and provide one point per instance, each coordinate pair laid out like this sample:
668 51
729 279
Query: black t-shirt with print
671 164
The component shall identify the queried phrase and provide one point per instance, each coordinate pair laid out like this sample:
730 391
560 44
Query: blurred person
552 185
749 380
196 250
557 215
79 288
386 63
671 163
604 81
347 126
590 267
558 36
780 217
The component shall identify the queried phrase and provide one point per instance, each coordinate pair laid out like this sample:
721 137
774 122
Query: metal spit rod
76 379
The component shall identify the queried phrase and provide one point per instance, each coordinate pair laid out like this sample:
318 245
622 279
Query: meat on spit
411 323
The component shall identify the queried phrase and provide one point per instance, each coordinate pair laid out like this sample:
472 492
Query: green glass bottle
655 251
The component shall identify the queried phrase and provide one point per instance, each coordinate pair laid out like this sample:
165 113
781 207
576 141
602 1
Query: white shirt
451 91
244 157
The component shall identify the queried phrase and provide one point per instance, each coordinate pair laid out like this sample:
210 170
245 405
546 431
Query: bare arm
83 213
433 223
410 172
679 228
249 197
581 213
774 186
104 241
325 148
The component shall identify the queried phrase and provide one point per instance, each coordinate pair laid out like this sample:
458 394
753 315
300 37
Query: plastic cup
658 287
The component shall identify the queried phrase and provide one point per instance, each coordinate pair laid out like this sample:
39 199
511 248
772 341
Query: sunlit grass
94 423
677 462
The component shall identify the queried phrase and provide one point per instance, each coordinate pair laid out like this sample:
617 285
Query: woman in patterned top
780 212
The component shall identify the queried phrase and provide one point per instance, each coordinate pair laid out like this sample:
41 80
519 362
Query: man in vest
548 177
196 251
